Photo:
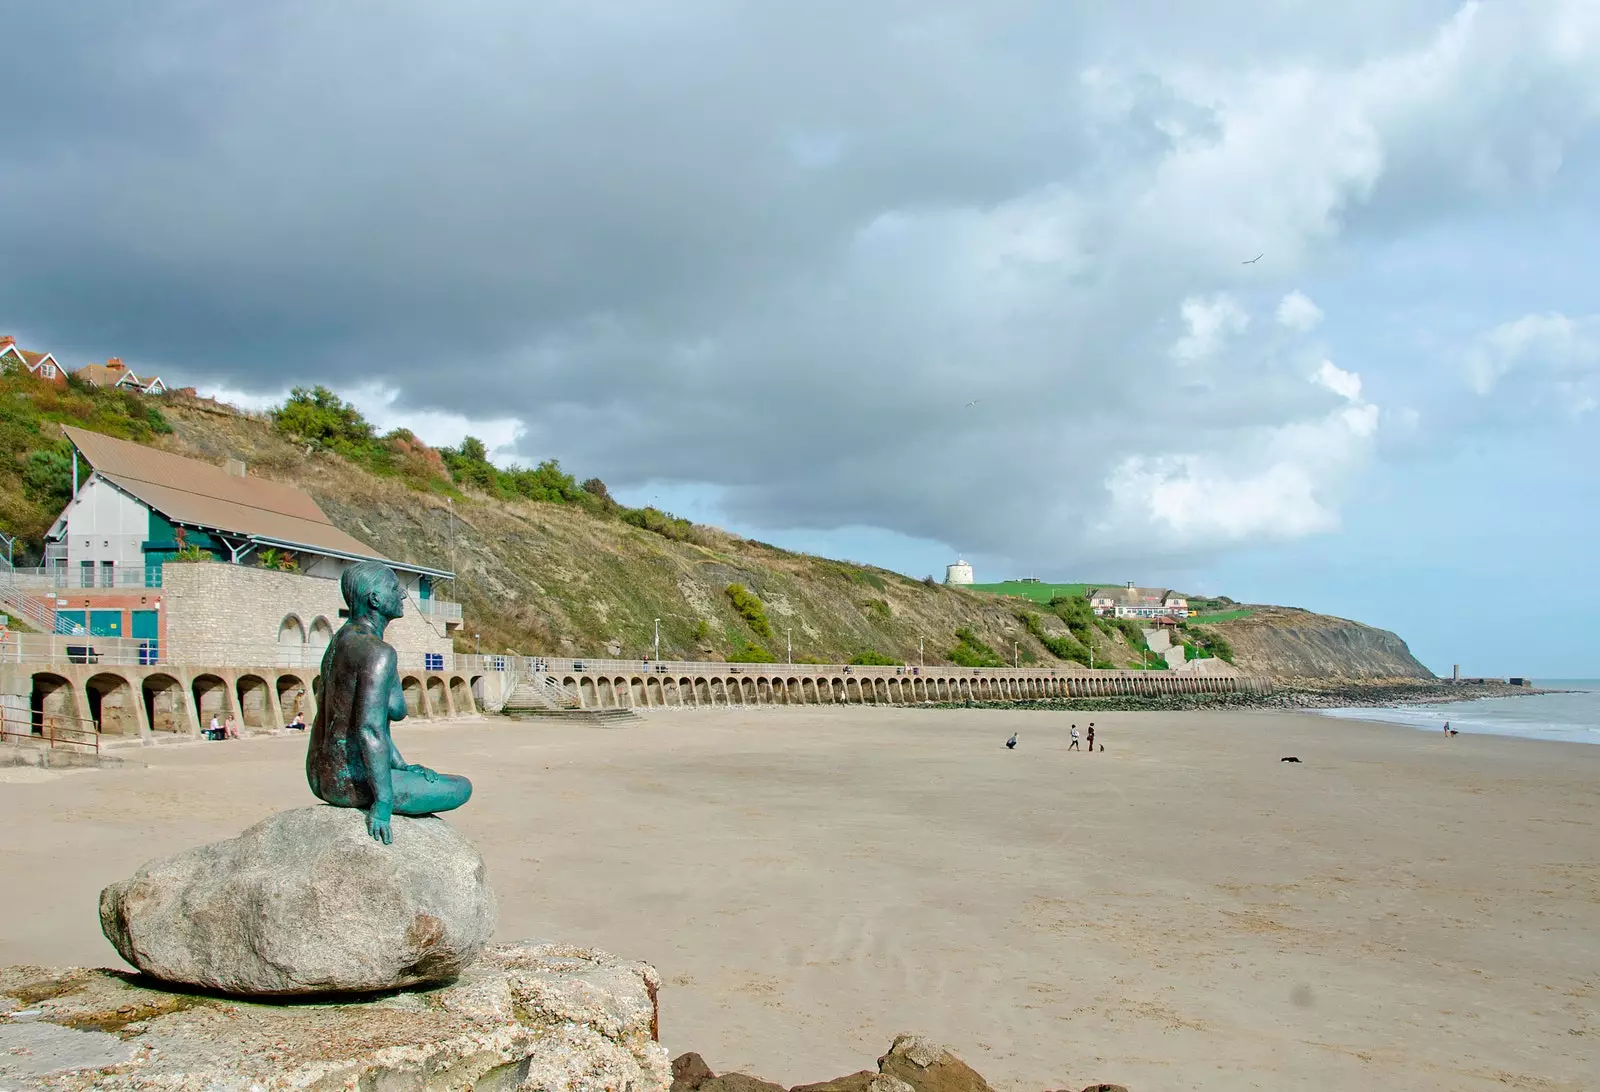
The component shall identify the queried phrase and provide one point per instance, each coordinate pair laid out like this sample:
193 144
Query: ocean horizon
1571 717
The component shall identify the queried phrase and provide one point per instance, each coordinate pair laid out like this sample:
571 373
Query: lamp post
919 652
789 636
477 644
658 640
1016 654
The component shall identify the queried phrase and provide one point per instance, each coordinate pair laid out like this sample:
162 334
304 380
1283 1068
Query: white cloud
1297 312
1345 384
1210 322
1277 482
1544 356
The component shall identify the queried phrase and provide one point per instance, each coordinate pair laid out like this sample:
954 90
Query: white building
1132 602
959 573
271 588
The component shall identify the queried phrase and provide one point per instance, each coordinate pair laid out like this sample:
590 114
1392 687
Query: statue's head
371 588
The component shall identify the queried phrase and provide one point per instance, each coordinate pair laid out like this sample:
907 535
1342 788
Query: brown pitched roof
100 375
198 494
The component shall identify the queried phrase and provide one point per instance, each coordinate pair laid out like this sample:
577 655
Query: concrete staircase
538 693
600 718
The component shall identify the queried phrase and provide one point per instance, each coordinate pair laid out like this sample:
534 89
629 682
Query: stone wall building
208 565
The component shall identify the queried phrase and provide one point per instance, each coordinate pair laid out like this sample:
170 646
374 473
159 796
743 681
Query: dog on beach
1290 758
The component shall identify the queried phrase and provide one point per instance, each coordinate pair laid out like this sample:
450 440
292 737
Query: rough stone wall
229 615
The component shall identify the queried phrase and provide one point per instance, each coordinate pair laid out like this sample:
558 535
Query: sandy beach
1182 911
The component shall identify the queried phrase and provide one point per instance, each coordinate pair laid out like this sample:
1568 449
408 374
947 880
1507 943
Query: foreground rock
307 903
928 1067
528 1017
912 1064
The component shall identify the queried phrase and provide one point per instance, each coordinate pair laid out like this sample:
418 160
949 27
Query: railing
58 648
100 576
439 608
667 667
55 730
17 600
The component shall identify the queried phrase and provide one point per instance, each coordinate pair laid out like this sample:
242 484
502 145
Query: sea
1572 715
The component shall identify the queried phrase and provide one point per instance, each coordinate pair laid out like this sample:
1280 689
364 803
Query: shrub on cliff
971 652
871 657
750 608
1062 648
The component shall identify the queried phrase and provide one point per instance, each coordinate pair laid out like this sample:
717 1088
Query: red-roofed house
114 373
40 365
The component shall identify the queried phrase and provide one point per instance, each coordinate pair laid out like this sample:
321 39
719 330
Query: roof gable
195 493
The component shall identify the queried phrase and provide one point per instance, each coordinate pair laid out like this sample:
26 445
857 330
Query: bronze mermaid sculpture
351 760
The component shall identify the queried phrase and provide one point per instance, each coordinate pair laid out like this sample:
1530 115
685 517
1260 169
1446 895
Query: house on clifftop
39 365
211 565
1131 602
115 374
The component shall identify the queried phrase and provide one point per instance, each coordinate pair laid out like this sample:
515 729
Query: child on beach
1073 746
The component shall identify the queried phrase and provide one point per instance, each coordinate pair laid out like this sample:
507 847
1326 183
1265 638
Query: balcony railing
439 608
62 577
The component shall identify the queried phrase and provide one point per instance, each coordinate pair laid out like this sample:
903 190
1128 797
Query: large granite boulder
526 1017
305 903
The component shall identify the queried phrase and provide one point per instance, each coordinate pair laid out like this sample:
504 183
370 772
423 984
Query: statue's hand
427 774
378 825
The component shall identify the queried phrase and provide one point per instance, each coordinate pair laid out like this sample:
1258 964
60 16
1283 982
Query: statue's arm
377 747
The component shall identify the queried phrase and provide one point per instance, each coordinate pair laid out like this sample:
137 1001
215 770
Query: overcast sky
755 262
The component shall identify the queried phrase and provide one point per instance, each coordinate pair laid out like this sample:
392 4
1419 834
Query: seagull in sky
1256 259
974 402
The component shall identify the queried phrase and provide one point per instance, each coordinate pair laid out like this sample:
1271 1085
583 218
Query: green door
67 620
105 623
146 625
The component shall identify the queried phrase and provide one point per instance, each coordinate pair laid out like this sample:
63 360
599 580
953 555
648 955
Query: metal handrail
59 648
57 730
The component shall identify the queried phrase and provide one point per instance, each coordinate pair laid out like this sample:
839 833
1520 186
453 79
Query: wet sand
1182 911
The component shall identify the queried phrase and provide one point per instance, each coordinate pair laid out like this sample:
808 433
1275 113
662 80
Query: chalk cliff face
1288 644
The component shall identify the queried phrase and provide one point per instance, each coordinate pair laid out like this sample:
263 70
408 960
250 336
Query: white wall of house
105 524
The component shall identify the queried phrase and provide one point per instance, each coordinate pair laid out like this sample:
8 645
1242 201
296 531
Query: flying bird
1011 744
1256 259
974 402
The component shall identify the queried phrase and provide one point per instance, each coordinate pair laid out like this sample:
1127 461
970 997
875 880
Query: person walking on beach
1073 746
1091 735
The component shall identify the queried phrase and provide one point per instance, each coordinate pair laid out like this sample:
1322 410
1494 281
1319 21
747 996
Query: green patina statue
352 761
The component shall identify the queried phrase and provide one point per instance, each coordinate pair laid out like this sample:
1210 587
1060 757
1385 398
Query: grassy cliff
548 565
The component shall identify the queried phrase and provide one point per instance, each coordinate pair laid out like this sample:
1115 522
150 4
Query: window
108 574
86 574
48 371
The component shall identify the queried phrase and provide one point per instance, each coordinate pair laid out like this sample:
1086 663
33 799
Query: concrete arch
438 696
588 693
166 705
256 707
212 698
293 698
416 703
114 705
53 698
461 695
320 634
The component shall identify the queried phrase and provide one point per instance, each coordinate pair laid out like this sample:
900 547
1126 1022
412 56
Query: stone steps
603 718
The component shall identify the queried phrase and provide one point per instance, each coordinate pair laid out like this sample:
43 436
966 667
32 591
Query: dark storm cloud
776 248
